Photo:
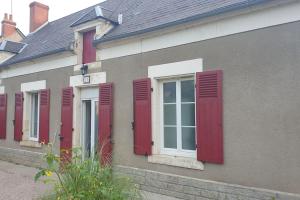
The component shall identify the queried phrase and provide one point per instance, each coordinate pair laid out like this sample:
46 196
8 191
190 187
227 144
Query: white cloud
58 9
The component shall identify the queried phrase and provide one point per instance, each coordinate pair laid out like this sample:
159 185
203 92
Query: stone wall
197 189
23 157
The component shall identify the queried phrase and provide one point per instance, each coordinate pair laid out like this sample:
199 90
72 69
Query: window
178 114
34 119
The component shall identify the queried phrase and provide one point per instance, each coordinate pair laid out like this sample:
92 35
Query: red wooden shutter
18 121
142 116
66 129
89 51
3 113
209 114
44 116
105 121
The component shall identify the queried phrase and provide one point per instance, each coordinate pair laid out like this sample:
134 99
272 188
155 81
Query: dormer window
89 51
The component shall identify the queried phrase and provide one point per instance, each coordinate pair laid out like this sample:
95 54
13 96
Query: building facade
196 100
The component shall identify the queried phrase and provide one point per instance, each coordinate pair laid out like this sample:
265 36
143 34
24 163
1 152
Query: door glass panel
87 128
188 138
170 137
96 120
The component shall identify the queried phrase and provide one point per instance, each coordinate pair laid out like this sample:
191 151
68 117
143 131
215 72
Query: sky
58 9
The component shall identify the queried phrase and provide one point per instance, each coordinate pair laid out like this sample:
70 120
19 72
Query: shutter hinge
152 143
196 146
72 129
132 125
73 95
151 89
23 99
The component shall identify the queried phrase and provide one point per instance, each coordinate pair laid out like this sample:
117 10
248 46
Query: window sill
184 162
30 143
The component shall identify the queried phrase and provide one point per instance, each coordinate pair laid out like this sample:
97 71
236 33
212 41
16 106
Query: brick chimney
38 15
8 26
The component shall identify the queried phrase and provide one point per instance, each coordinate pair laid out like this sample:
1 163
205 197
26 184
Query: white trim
176 68
34 66
3 44
39 28
253 20
178 151
177 161
2 89
30 143
98 11
33 86
95 79
157 73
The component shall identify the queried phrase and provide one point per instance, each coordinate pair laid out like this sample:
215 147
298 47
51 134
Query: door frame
77 83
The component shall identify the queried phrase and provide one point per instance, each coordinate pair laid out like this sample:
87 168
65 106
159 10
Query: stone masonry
23 157
196 189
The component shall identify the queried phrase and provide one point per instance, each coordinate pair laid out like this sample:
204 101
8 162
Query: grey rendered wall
55 80
261 106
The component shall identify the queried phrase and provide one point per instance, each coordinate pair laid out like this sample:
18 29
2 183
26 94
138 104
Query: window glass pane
188 114
170 137
34 115
187 91
169 92
188 138
170 114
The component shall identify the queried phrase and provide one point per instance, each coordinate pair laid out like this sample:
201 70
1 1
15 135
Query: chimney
8 26
38 15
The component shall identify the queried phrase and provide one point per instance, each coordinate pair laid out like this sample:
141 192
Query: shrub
86 179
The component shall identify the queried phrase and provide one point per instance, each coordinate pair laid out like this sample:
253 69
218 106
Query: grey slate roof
139 16
12 47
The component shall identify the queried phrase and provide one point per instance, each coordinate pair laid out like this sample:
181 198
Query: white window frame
31 117
157 73
28 88
179 151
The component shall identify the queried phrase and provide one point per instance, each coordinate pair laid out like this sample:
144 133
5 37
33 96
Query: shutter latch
132 125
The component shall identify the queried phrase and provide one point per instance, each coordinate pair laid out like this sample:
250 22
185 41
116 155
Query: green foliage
86 179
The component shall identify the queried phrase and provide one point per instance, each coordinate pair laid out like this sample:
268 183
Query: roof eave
34 57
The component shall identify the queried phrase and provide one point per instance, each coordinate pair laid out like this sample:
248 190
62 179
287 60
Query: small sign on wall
86 79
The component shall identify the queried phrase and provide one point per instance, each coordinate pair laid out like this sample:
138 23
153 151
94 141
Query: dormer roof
12 47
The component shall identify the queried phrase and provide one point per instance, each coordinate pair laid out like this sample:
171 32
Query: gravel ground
16 182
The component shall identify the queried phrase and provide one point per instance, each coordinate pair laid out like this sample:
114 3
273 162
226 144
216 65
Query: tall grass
86 179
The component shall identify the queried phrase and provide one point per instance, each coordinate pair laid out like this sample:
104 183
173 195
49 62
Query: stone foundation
23 157
196 189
